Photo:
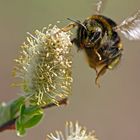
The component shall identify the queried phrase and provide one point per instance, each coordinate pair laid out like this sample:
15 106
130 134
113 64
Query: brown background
113 110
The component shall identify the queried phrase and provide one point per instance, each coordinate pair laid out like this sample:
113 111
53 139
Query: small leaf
28 117
31 116
20 128
33 121
15 106
10 110
22 110
32 110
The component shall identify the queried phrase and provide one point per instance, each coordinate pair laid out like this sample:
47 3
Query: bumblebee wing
130 27
100 6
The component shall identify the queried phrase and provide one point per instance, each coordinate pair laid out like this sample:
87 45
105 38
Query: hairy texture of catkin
73 132
44 66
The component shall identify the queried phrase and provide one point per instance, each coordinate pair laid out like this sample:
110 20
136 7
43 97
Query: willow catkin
73 132
44 66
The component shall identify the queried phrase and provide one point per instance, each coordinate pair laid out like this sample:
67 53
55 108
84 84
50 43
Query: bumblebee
98 37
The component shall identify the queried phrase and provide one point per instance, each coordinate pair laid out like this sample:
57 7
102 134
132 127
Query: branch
10 125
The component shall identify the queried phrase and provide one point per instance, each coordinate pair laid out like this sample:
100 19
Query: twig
10 125
61 102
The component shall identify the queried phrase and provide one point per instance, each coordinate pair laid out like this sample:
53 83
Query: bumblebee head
89 32
93 32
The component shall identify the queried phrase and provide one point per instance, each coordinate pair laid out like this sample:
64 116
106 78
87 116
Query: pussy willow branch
10 125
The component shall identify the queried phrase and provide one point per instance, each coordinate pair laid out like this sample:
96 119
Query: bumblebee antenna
77 22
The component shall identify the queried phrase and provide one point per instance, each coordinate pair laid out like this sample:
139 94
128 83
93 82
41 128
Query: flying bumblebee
98 37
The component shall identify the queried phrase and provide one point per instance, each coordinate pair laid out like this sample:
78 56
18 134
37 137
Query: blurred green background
112 110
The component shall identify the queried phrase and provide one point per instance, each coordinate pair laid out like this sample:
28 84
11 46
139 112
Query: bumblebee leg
96 48
101 72
69 27
112 64
113 56
99 56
